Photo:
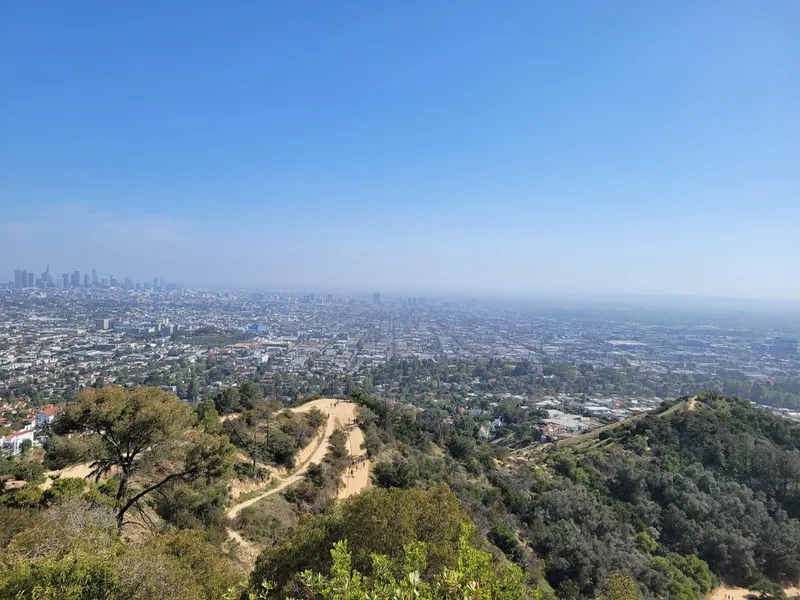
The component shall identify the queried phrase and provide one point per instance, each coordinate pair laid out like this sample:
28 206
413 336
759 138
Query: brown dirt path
339 413
80 470
357 478
724 592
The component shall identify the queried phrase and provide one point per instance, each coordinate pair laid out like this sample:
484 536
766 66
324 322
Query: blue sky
451 146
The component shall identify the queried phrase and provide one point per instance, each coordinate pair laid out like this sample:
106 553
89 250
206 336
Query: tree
768 590
348 384
28 470
250 394
25 447
399 473
228 401
71 552
191 389
208 417
618 586
63 451
148 436
377 521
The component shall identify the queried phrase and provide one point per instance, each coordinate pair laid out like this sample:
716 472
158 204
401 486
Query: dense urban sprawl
558 371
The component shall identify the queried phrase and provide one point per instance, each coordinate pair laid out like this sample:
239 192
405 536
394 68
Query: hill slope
713 482
704 490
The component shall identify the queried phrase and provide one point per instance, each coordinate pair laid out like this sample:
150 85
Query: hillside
703 492
707 487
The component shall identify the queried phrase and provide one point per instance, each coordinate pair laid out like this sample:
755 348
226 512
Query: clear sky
645 147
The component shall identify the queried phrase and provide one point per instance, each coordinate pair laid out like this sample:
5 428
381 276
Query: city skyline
24 278
321 293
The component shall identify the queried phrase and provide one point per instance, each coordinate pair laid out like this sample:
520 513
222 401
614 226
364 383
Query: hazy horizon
455 148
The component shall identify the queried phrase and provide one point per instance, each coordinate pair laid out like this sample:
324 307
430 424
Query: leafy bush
474 576
267 522
398 473
71 552
28 496
28 470
65 487
377 521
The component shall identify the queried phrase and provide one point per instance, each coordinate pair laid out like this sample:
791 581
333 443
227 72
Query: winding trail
339 413
357 478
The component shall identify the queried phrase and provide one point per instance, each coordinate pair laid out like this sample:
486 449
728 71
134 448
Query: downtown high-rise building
376 297
24 279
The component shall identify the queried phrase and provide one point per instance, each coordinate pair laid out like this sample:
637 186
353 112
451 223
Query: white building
13 441
47 415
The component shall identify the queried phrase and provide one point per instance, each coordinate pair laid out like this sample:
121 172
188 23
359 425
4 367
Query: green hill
702 491
665 505
706 489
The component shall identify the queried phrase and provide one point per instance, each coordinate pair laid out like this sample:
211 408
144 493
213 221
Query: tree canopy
144 437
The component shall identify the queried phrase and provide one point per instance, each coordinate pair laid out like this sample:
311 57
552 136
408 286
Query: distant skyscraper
376 297
60 283
65 277
76 279
30 279
18 283
94 277
155 283
86 280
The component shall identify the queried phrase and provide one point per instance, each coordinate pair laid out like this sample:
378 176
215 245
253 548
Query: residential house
13 441
47 415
